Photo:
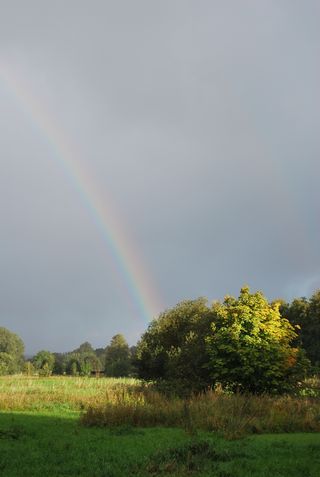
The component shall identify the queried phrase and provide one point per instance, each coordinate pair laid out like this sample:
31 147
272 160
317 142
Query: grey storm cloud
200 119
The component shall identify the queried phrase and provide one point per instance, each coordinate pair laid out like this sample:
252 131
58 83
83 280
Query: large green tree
173 349
11 352
250 346
85 347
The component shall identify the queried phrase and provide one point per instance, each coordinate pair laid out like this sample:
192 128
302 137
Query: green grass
41 435
51 445
35 445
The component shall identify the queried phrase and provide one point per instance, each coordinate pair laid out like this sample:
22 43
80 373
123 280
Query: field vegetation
34 393
98 427
110 402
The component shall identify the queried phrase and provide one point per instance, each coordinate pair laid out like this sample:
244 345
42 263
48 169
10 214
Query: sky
151 152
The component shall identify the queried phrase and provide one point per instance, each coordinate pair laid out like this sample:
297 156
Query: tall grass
232 415
19 393
127 402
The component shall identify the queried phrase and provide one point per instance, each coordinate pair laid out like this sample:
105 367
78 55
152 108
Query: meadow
72 426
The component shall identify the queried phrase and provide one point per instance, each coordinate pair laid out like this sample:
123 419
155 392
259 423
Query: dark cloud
199 119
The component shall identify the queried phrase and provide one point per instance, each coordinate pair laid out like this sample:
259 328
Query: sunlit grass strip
19 393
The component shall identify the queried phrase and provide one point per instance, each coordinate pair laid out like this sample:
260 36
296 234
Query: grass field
41 435
67 393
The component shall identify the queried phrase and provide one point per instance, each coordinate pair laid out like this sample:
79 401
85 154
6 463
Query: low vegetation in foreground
64 426
232 416
36 446
109 402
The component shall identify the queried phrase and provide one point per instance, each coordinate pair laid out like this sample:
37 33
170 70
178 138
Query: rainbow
126 258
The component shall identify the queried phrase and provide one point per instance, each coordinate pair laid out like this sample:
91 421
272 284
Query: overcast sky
200 119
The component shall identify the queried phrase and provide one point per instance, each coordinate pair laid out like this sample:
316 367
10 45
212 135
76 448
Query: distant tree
60 363
96 364
85 367
28 368
133 359
82 364
85 347
250 346
43 362
117 357
101 354
11 352
89 363
100 351
74 368
73 363
84 361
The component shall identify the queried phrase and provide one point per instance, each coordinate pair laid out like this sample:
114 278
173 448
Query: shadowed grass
34 445
46 438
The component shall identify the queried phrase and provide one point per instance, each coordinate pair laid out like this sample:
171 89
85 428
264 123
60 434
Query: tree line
115 360
243 343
